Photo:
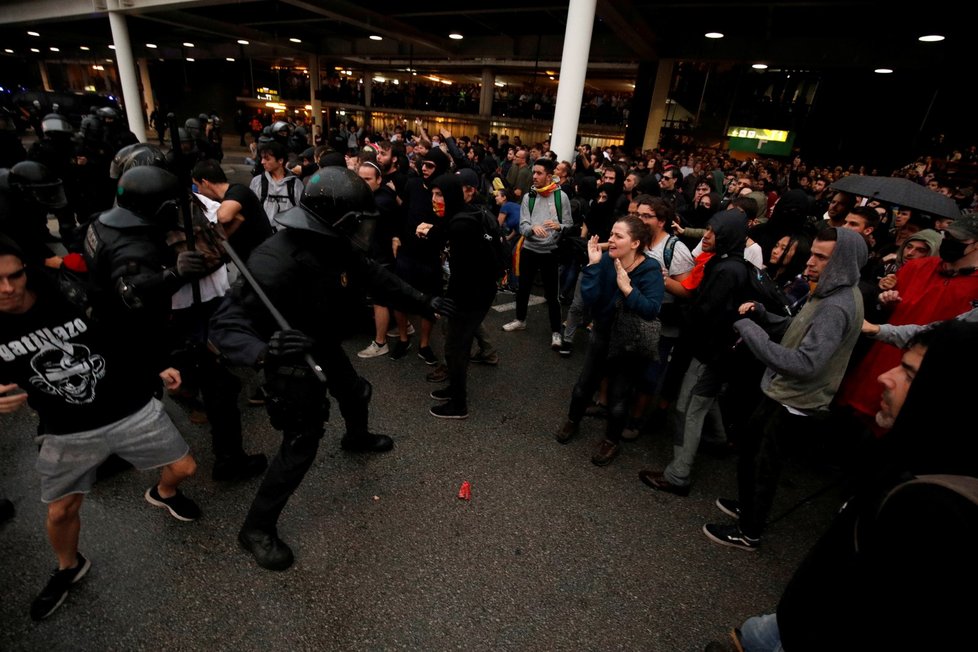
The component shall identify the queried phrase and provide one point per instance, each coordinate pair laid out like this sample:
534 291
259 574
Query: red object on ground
465 491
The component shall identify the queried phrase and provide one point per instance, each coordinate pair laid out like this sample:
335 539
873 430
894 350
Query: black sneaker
729 506
369 443
566 348
443 394
257 398
450 410
179 506
7 510
238 468
730 535
56 590
426 354
400 350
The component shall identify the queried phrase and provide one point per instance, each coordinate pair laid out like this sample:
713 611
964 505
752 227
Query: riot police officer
28 192
56 151
317 272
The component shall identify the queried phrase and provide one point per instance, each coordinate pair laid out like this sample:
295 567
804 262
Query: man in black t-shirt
241 214
95 396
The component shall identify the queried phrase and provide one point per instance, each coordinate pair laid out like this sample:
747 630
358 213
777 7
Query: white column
148 100
657 111
487 92
317 105
127 75
573 71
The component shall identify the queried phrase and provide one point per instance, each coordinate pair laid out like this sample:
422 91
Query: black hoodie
472 283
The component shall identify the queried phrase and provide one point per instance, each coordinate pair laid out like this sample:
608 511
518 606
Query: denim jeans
761 634
697 398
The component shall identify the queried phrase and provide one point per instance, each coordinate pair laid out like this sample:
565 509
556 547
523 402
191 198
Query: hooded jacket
425 251
930 237
472 282
710 316
806 368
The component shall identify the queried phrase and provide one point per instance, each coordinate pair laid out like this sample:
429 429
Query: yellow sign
776 135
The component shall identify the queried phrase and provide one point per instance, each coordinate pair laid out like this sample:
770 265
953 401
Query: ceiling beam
351 14
629 26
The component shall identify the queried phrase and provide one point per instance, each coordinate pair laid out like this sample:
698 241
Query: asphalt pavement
550 553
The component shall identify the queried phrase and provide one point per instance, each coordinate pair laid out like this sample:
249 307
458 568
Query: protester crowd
744 306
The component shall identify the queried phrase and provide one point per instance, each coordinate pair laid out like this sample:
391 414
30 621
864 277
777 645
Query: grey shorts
147 439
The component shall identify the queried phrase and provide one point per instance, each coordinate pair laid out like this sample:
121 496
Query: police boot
268 550
6 510
358 439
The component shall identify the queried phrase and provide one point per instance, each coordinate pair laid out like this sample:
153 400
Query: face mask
952 249
438 206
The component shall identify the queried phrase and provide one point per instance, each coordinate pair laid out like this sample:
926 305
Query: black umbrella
902 192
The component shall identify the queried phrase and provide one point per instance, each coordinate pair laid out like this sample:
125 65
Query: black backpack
765 291
492 235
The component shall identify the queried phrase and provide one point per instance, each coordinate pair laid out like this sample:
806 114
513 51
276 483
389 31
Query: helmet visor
50 195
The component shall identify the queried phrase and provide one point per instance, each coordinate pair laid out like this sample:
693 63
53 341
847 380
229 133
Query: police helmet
151 193
55 123
193 127
38 183
335 202
183 135
108 113
280 126
203 117
134 155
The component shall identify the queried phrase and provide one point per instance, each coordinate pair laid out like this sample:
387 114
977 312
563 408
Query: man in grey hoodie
802 375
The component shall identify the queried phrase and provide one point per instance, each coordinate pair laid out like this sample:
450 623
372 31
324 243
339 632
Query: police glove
443 306
287 345
191 265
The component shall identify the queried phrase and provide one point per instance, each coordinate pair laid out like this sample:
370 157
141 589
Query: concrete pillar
657 113
314 101
127 75
148 100
368 80
486 92
43 68
573 71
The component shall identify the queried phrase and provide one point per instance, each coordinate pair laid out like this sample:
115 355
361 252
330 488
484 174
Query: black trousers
530 262
301 437
460 330
770 429
623 373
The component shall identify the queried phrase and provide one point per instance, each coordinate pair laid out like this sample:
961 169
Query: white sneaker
393 332
515 325
373 350
555 341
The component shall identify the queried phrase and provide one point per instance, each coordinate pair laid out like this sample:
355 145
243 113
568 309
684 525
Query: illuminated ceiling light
229 59
883 71
455 36
500 84
35 50
54 49
241 41
759 66
151 46
931 38
713 35
108 61
84 48
551 76
188 45
191 59
33 34
340 68
293 39
8 50
376 37
380 79
111 47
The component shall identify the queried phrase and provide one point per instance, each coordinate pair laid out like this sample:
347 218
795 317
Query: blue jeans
761 634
